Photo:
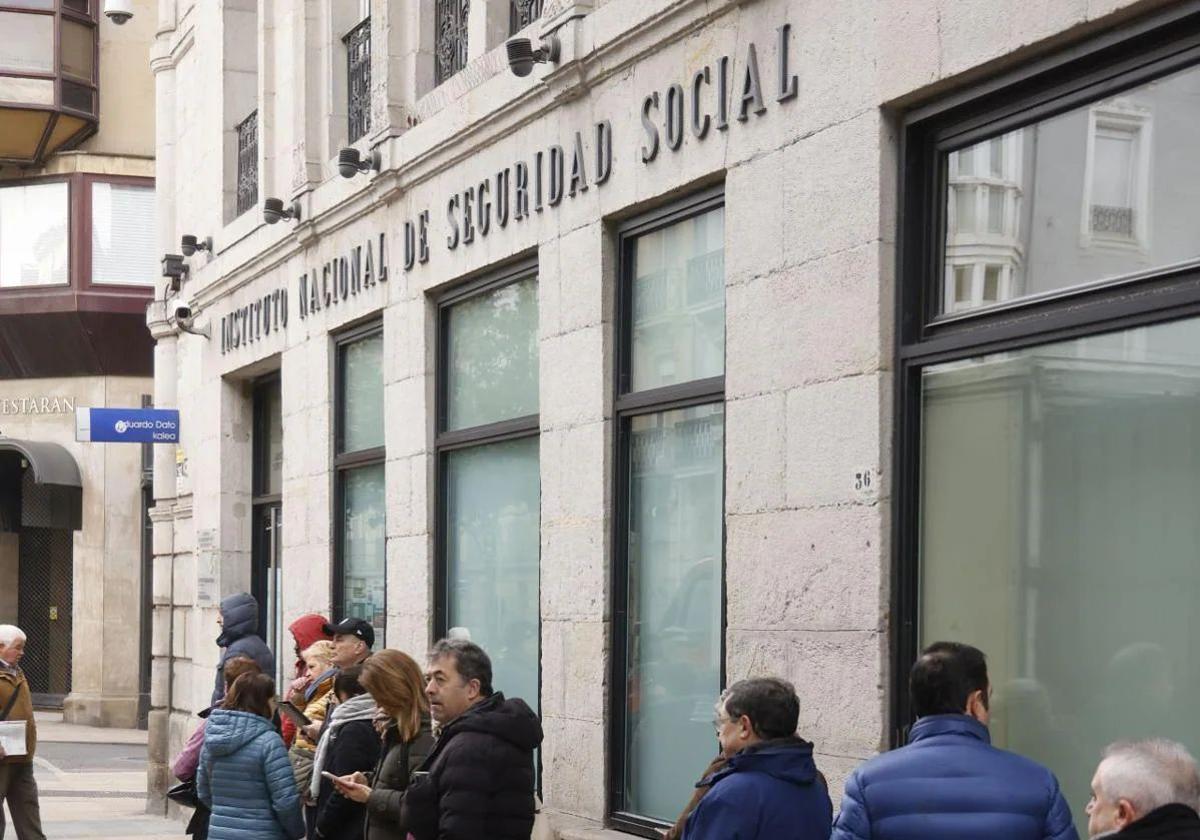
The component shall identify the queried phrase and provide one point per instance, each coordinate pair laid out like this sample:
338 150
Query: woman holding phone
349 745
245 777
394 679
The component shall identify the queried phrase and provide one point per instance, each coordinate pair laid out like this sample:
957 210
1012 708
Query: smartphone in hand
293 714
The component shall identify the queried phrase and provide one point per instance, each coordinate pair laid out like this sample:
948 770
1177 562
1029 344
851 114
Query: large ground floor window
1060 535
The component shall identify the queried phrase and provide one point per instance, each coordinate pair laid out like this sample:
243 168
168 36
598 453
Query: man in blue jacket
769 789
950 783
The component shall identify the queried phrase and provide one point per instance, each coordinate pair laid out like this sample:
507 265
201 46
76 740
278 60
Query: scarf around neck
359 707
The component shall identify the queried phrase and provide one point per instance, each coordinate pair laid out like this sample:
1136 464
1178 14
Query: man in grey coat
239 637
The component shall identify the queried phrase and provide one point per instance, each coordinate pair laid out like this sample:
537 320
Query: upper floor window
124 234
521 13
247 163
358 80
450 38
34 220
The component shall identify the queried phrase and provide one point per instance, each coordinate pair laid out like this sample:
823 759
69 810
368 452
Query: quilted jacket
950 783
246 779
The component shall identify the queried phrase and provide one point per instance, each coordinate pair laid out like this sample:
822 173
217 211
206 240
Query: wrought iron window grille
358 80
521 13
247 165
450 47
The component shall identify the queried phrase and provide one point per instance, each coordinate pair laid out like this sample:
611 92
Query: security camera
274 211
118 11
522 56
350 162
181 311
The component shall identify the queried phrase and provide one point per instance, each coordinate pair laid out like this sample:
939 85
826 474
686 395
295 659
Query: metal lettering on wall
36 405
700 104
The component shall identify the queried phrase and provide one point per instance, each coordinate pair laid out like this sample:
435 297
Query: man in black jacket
1145 790
477 784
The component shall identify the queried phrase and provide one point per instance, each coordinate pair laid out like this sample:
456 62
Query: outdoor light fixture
522 56
175 269
273 210
191 244
350 162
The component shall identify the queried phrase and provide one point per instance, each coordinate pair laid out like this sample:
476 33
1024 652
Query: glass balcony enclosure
48 77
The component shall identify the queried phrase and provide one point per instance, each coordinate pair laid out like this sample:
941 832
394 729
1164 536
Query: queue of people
401 752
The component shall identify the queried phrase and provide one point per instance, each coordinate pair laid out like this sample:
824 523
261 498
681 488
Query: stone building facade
78 265
607 363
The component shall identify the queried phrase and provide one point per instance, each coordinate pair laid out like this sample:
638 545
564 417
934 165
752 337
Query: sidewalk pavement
92 784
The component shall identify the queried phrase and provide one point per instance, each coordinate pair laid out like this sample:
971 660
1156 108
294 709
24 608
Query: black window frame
626 406
449 441
262 501
344 462
1125 56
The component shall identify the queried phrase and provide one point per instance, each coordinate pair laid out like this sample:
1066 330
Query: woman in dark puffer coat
245 777
348 745
394 680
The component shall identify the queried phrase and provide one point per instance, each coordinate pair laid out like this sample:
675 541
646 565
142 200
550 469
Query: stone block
809 323
573 472
825 569
839 677
837 434
574 282
575 669
907 43
755 435
408 430
573 766
573 381
574 569
831 199
755 226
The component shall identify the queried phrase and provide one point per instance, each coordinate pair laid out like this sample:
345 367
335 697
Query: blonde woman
394 680
314 702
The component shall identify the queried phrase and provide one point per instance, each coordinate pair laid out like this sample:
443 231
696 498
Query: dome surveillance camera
274 211
522 56
118 11
181 311
350 162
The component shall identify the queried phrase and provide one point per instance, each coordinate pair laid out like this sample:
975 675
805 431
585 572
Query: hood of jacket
308 629
787 759
227 731
933 726
509 720
239 617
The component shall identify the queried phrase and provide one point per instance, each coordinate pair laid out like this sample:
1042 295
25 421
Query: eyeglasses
718 723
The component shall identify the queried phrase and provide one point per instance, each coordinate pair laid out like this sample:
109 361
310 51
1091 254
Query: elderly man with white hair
1143 790
17 784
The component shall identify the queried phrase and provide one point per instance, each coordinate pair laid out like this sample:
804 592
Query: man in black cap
353 639
352 642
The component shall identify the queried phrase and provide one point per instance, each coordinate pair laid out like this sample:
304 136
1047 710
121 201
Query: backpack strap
12 701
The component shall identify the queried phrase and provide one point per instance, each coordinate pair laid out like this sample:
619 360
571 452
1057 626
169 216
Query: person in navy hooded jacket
950 783
769 787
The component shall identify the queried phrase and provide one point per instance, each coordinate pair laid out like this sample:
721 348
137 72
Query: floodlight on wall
191 244
350 162
522 56
273 210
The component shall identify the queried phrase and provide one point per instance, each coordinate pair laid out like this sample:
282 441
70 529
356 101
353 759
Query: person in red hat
305 630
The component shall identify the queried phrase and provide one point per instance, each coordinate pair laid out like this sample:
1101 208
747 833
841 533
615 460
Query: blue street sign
127 425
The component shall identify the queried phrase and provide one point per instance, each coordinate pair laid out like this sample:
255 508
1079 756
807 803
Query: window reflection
362 395
674 633
1059 534
1096 193
363 547
33 235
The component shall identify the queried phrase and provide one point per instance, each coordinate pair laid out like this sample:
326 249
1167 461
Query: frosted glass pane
124 235
493 356
33 235
679 303
363 545
361 369
492 553
676 491
1134 203
78 42
28 42
1059 534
